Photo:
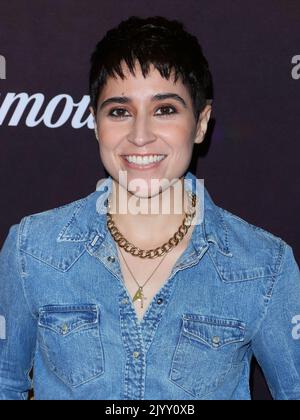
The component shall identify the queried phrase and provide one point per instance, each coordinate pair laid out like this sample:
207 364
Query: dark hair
153 40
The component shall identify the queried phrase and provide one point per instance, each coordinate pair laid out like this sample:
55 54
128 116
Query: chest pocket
205 352
71 343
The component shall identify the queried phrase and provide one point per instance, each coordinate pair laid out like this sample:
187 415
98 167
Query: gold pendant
139 296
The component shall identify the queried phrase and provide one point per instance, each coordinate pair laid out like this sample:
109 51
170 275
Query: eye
116 109
174 111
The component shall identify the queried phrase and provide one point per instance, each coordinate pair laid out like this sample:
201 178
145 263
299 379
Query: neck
148 222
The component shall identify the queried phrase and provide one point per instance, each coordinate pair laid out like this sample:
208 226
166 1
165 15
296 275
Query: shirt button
95 240
159 301
111 259
64 329
216 341
136 354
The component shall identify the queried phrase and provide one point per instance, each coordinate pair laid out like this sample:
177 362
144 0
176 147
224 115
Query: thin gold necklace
139 295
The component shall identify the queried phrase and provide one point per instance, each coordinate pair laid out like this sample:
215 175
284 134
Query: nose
141 132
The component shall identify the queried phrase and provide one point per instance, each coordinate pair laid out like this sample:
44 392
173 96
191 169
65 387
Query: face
143 123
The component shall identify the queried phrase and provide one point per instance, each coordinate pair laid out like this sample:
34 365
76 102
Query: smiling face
148 116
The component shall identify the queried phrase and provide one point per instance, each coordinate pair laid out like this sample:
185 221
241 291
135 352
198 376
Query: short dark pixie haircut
153 40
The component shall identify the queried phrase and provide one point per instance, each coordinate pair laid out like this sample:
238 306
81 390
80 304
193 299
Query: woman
111 303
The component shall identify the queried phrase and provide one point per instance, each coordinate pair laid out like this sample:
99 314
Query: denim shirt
65 311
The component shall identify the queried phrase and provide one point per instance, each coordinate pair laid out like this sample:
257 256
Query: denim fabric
64 310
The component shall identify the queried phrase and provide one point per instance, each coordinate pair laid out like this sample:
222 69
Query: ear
95 123
202 124
92 111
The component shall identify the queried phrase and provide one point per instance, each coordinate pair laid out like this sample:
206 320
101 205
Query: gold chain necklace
161 250
152 253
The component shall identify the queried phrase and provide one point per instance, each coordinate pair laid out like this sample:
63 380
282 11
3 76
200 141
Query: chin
146 194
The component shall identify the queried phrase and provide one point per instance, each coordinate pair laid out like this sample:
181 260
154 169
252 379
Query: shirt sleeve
17 324
276 345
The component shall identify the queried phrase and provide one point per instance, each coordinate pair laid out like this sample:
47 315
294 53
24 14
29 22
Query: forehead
137 85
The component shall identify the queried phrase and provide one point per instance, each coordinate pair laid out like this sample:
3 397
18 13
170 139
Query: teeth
145 160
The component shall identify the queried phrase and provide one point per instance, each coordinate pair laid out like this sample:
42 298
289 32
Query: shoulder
243 231
41 235
253 252
49 222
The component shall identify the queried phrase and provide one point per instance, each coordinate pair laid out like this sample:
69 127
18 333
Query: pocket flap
214 331
65 319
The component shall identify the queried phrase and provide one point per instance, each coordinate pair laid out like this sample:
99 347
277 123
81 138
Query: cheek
179 133
181 141
110 136
107 140
108 151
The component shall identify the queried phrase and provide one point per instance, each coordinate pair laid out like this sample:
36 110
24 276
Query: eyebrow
155 98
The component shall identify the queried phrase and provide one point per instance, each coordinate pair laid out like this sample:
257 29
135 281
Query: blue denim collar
88 222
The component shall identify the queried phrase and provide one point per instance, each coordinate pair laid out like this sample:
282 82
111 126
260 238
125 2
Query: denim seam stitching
21 266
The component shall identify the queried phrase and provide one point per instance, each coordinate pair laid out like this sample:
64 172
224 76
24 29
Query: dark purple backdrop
250 159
